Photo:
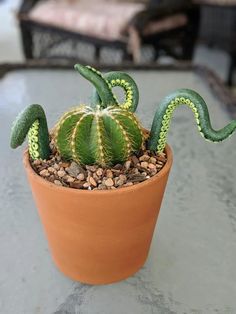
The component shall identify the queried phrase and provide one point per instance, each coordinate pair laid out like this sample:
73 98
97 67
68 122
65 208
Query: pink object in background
106 20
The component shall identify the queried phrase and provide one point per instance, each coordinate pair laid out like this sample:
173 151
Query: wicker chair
218 28
151 26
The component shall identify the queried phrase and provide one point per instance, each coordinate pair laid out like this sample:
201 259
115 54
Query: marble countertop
191 264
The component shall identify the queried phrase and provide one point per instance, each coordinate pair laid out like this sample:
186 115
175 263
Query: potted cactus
104 235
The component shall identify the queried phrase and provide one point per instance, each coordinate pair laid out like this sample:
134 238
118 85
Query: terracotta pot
99 237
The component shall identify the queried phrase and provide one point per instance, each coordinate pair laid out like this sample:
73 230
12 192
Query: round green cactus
101 136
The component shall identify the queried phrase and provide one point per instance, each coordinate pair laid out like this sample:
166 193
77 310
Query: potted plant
98 177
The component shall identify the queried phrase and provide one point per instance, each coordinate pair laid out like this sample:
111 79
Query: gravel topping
137 168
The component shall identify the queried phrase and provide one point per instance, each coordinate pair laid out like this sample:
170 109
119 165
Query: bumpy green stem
129 86
102 86
32 120
162 119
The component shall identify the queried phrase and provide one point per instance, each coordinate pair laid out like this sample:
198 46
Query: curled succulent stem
102 86
129 86
194 101
32 121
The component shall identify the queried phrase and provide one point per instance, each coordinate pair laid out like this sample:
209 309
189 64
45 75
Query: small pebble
64 164
70 179
37 162
92 181
99 172
44 173
86 185
127 164
151 166
135 160
109 173
152 160
128 184
61 173
109 182
144 158
76 184
144 164
57 182
51 169
80 177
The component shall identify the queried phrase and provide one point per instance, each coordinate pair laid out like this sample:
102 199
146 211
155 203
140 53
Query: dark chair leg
27 41
97 54
232 67
191 34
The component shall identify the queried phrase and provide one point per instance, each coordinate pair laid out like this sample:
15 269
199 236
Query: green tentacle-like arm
102 86
103 95
129 86
32 120
162 119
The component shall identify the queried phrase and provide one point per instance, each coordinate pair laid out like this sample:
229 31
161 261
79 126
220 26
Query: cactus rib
32 120
194 101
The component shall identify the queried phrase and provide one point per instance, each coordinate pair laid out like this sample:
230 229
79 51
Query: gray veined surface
191 265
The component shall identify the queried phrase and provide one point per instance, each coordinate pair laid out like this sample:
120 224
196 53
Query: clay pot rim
127 189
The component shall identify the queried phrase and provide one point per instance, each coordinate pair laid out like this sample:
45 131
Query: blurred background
121 31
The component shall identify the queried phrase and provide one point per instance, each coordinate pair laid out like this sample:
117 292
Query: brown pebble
91 168
99 172
80 176
61 173
153 172
74 169
44 173
51 178
51 169
128 184
144 164
57 182
109 173
56 166
153 160
102 187
76 184
109 182
64 164
134 160
123 177
151 166
118 167
144 158
161 159
115 171
92 181
70 179
127 164
86 185
37 162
